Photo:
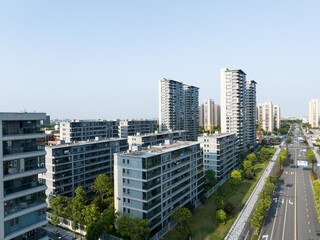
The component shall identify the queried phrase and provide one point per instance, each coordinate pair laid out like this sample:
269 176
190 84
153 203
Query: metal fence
68 224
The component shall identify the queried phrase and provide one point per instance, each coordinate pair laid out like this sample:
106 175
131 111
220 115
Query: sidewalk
243 217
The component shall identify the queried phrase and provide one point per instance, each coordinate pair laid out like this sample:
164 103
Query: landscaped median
206 221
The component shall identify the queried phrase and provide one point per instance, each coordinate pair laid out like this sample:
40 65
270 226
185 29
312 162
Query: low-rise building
150 183
219 152
83 130
131 127
156 138
78 164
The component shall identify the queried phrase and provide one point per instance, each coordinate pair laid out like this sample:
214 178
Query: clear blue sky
103 59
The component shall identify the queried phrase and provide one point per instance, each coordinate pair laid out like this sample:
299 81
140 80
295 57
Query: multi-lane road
292 214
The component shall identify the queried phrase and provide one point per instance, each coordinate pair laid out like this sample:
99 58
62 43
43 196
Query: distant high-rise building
251 114
22 194
208 114
233 118
266 116
277 116
314 113
201 114
217 114
178 107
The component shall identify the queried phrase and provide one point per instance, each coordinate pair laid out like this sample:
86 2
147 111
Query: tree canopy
103 186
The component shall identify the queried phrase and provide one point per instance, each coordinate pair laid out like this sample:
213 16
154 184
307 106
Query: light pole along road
292 214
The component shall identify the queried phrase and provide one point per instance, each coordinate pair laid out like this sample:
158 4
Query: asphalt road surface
292 214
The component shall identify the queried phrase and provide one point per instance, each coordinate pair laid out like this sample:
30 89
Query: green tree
236 177
58 204
287 141
103 186
94 230
210 177
133 228
251 156
183 217
91 213
264 154
78 205
221 216
55 221
247 165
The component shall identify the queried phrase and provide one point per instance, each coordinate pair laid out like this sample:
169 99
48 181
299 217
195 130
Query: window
128 161
128 191
124 190
124 200
123 170
128 172
123 161
128 181
128 210
124 209
124 180
128 200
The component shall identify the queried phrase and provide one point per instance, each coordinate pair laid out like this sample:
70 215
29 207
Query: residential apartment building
219 153
78 164
208 114
151 183
156 138
217 115
133 126
83 130
178 107
277 116
313 113
233 117
201 114
269 116
22 194
251 114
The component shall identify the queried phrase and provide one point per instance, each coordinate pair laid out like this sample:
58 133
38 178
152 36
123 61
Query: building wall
219 153
151 183
132 127
313 115
22 206
277 116
73 165
251 114
266 116
208 114
233 87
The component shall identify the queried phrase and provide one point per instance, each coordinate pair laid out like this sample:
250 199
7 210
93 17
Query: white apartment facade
313 113
151 183
78 164
178 107
233 118
156 138
219 153
208 114
22 194
266 116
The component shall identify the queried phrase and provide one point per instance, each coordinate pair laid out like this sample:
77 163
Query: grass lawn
203 226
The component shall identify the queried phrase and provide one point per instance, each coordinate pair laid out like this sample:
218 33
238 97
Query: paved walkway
243 217
64 234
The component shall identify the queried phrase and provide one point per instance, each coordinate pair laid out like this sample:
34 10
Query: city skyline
95 62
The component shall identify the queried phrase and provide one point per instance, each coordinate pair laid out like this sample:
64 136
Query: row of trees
282 157
263 203
98 214
316 189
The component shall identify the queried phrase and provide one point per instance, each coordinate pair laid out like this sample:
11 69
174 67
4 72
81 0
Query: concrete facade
22 194
219 153
151 183
132 127
156 138
251 114
277 116
178 107
78 164
83 130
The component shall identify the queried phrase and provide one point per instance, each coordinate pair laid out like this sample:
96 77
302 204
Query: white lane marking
282 200
307 204
290 202
284 222
308 222
307 210
309 230
246 235
275 199
275 218
307 215
265 237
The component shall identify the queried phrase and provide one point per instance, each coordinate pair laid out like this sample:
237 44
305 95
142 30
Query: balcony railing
19 131
16 150
33 184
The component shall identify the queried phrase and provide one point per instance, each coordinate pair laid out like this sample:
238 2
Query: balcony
21 184
22 149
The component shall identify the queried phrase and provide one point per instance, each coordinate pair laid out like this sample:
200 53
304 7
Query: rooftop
159 149
216 134
157 133
85 142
